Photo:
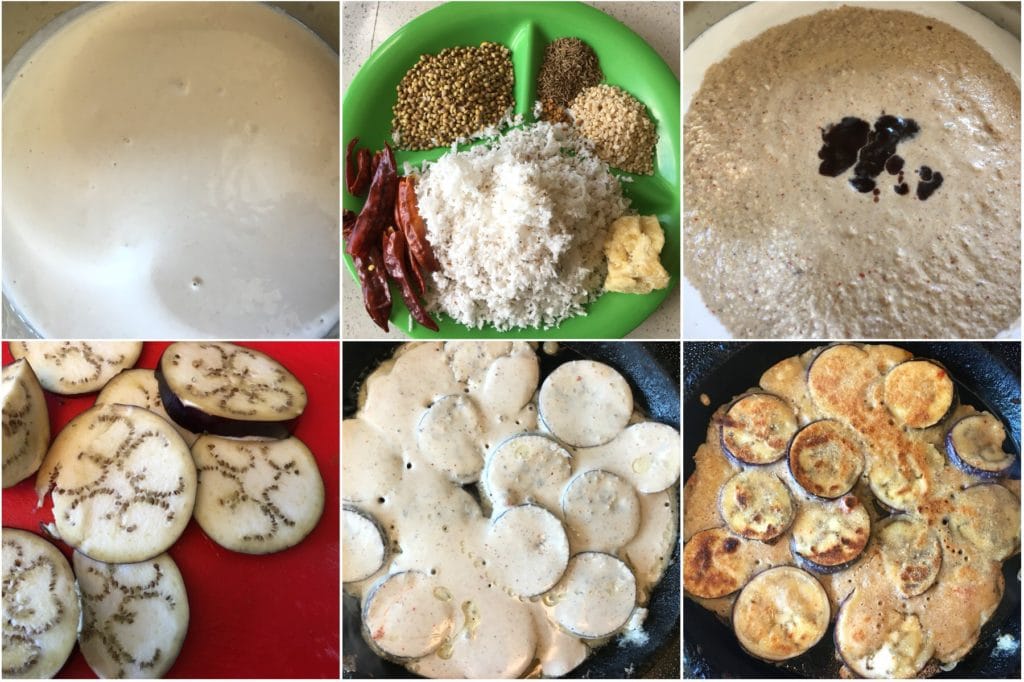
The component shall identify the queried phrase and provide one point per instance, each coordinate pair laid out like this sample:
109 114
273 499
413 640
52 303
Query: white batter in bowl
171 170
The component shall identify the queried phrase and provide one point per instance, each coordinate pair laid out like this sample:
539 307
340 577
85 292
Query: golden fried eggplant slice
781 613
919 393
975 445
714 564
826 458
830 536
756 504
756 428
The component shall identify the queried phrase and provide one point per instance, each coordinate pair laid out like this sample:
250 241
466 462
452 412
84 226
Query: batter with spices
852 173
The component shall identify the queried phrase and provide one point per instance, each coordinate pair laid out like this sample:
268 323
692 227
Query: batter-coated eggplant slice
228 390
919 393
837 376
601 510
527 550
122 481
756 504
781 613
911 554
757 428
73 367
363 545
988 516
139 387
876 640
257 497
26 422
526 468
595 597
41 610
449 436
134 616
407 616
585 403
975 445
826 458
898 481
714 564
830 536
650 456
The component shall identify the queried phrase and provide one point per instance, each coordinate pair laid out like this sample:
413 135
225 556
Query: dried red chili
396 264
358 169
378 209
374 281
413 226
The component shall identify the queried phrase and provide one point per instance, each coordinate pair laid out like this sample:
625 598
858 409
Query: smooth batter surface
969 584
171 170
454 543
779 250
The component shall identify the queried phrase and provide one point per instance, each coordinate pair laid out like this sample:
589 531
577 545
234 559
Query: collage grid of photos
492 339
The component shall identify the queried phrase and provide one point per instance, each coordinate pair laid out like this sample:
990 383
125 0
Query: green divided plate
526 28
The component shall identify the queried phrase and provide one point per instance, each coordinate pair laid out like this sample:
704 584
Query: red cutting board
270 616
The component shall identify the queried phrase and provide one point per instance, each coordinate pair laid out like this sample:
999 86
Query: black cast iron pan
987 376
652 370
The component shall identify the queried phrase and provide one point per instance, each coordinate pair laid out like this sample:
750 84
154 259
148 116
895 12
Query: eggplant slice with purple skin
134 616
919 393
756 504
830 536
139 387
257 497
595 597
228 390
781 613
875 639
911 553
756 429
715 564
975 445
826 458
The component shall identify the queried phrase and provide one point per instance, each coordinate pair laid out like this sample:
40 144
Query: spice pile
459 93
569 67
618 125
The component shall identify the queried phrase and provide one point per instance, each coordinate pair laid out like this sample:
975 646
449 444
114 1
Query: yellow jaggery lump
633 250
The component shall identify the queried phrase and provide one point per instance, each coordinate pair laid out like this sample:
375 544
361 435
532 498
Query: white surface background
365 25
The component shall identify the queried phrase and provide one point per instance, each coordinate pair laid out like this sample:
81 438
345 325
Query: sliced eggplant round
781 613
407 615
595 597
123 483
756 504
830 536
134 616
975 445
139 387
449 436
601 510
898 481
228 390
757 428
826 458
41 609
257 497
911 553
585 403
26 422
714 564
649 456
363 545
527 550
919 393
74 367
988 516
877 640
526 468
837 377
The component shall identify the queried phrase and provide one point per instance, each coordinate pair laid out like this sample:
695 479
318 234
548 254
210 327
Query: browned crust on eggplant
714 564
